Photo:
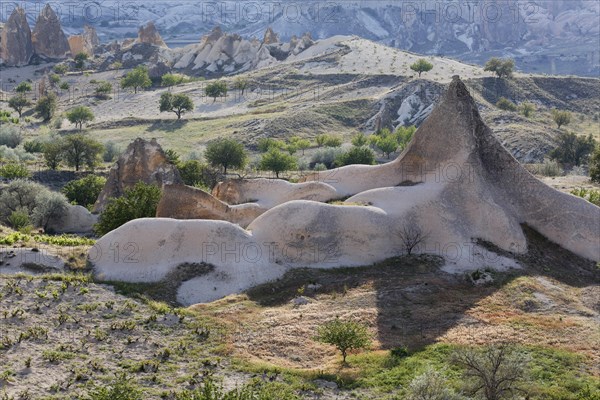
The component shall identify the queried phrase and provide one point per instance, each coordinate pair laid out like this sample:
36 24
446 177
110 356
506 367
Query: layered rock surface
149 34
84 43
16 46
142 161
49 40
455 184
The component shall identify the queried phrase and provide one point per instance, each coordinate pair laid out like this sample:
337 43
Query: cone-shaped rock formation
49 40
454 186
16 46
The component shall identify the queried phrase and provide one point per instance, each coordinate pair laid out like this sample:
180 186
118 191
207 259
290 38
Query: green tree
266 144
178 103
573 149
226 153
561 117
216 89
79 150
387 144
276 161
169 80
79 116
23 87
506 105
240 84
84 191
501 67
321 139
595 165
53 154
404 135
18 103
46 106
136 79
356 155
64 86
527 109
344 335
195 173
421 65
302 144
80 59
360 139
333 141
103 89
140 201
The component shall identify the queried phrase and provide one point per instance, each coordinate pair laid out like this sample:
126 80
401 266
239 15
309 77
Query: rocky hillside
544 36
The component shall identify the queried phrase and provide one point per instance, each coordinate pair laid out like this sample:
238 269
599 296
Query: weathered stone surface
16 46
455 183
186 202
84 43
149 35
142 161
48 38
270 37
77 219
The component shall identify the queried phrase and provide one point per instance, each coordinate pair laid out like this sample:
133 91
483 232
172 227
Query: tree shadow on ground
167 125
416 302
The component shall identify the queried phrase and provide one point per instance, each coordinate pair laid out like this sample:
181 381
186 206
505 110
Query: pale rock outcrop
186 202
149 34
238 191
142 161
49 40
455 183
77 219
84 43
16 46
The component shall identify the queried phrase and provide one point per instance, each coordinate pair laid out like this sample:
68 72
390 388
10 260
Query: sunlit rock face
142 161
49 40
16 46
455 185
149 35
84 43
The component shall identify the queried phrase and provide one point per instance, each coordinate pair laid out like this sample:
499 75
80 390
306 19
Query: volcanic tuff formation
16 46
49 40
84 43
454 183
148 34
142 161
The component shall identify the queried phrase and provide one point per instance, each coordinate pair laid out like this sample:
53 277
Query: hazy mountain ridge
545 36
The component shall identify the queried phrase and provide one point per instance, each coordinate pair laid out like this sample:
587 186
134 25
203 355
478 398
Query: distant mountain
554 36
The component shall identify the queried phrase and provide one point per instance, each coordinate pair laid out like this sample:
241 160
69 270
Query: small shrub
549 168
119 389
14 171
33 146
10 136
595 165
591 195
195 173
18 220
506 105
356 155
140 201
